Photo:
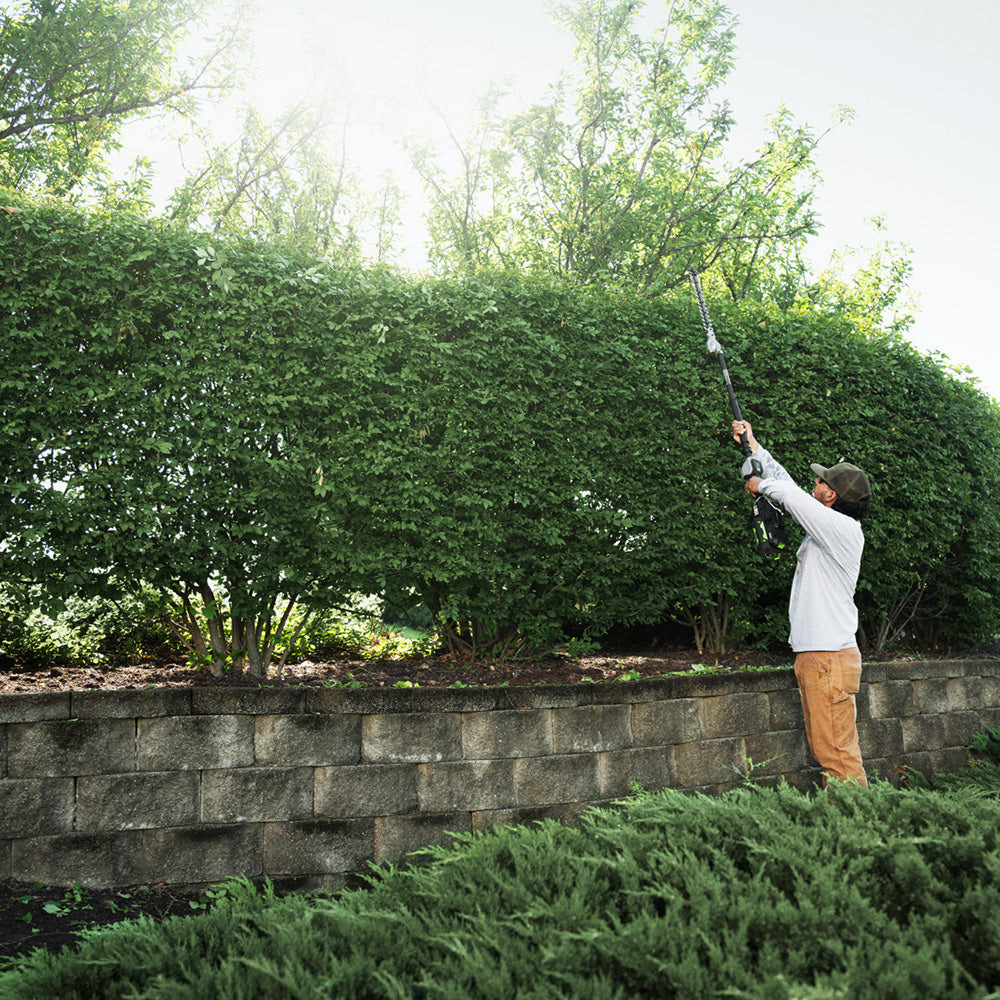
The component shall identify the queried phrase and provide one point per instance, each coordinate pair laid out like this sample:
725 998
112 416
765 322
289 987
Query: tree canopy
621 177
72 72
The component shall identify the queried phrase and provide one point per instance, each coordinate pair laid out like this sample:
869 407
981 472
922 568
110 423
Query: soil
33 916
431 671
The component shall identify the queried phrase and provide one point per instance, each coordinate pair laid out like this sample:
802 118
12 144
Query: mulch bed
36 916
431 671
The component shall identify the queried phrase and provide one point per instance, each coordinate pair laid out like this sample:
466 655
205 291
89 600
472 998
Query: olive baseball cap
846 480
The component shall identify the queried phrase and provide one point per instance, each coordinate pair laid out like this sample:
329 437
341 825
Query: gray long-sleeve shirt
821 608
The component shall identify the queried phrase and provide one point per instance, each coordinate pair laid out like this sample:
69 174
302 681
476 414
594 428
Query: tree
169 427
620 176
287 181
72 72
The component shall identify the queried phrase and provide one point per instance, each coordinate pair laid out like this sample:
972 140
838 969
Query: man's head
844 487
846 480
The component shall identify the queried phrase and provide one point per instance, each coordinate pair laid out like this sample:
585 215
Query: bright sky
921 76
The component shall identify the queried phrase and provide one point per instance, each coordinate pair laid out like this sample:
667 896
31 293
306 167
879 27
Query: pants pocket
846 681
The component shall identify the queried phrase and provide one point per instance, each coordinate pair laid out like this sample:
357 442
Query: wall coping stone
40 707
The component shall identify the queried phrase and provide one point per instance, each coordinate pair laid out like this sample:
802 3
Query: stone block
965 693
591 728
948 760
195 743
804 780
880 738
918 761
542 696
318 846
314 740
734 714
775 753
410 738
93 860
496 735
991 692
546 780
708 762
248 701
256 794
786 710
909 670
922 732
3 752
930 696
762 681
365 790
890 699
568 813
34 707
959 728
36 807
862 705
398 836
880 769
130 704
465 784
459 700
70 748
873 673
651 768
137 801
630 692
205 853
664 723
362 701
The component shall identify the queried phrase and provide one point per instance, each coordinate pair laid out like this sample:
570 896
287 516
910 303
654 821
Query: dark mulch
431 671
37 916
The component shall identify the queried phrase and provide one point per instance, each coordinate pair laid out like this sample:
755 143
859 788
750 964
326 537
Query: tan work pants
828 682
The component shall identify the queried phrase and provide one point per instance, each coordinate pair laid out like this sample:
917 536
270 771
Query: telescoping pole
766 521
714 347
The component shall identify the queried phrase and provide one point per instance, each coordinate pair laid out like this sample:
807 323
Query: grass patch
759 894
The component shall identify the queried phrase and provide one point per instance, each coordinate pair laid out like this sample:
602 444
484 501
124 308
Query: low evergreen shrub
760 894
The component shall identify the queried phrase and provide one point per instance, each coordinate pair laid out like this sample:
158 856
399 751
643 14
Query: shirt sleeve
830 529
772 469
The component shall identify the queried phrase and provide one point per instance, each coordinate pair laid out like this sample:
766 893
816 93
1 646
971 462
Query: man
821 609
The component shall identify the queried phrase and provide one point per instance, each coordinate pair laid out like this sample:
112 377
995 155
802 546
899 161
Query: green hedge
761 894
235 427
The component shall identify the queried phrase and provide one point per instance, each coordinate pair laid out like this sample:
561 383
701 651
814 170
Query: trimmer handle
756 469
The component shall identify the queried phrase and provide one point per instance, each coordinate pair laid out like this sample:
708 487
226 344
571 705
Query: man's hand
752 486
743 426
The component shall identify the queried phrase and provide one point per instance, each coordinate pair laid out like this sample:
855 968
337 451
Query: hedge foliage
237 427
761 894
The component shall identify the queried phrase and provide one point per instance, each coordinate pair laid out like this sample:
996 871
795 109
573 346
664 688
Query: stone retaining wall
307 785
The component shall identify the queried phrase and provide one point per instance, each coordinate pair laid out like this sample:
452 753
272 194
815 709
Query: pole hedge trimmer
766 520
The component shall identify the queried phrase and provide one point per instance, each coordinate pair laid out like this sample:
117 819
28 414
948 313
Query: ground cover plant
762 893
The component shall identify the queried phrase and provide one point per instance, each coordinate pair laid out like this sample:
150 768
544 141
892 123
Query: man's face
823 493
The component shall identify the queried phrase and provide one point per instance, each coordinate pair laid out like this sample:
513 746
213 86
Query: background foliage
247 431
